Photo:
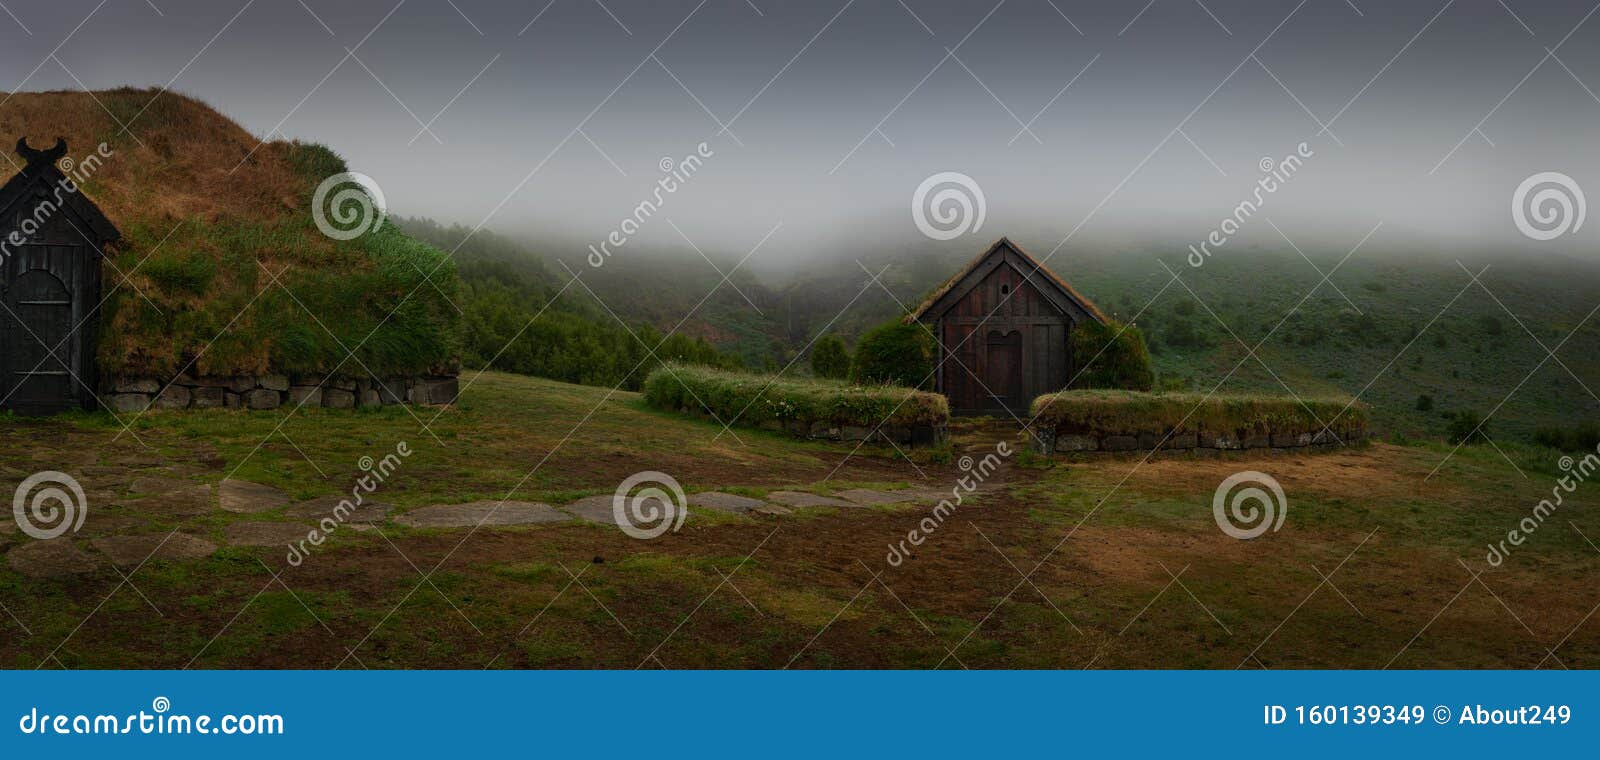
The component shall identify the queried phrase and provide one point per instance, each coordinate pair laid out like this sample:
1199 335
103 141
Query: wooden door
37 364
1003 371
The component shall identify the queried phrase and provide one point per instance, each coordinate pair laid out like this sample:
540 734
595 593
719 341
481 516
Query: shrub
1131 413
1424 403
1115 356
830 359
1465 426
751 399
894 353
1582 437
1182 333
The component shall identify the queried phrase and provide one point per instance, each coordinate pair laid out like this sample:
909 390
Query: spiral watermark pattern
948 205
161 704
57 506
1548 205
353 201
652 511
1251 511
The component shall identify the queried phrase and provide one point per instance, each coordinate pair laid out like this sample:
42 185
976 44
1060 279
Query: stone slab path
120 534
595 509
244 497
724 502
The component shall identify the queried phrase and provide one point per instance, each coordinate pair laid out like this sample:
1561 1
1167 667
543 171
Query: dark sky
553 117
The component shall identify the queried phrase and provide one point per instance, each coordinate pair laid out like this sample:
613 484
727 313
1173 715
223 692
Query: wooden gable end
1003 325
1039 283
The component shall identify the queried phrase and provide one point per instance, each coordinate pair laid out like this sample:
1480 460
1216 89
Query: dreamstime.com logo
948 205
660 506
48 504
1548 205
158 722
1252 510
348 205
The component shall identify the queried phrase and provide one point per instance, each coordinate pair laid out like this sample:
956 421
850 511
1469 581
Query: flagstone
724 502
244 497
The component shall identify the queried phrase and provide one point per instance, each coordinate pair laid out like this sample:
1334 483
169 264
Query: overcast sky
1103 120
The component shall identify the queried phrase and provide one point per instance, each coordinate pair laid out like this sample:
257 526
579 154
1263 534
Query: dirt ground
1100 562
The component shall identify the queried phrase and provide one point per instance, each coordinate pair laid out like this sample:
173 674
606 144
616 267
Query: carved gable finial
48 156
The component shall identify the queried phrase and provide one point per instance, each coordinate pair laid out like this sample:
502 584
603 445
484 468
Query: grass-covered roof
221 269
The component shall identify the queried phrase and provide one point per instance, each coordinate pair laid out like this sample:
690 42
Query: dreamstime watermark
157 722
977 471
57 506
948 205
674 175
73 175
1548 205
660 506
1577 472
348 205
377 471
1274 175
1251 511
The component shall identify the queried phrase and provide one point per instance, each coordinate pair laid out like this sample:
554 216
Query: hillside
520 316
225 269
1468 361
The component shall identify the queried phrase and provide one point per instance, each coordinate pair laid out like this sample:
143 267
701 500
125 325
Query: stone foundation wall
273 391
1048 440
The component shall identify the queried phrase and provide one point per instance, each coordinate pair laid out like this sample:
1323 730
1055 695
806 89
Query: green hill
222 269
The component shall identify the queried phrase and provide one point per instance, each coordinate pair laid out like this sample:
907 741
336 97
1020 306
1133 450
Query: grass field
1376 564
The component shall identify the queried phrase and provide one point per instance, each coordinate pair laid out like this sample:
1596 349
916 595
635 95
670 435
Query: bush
1182 333
830 359
751 399
1424 403
894 353
1115 356
1130 413
1466 426
1583 437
